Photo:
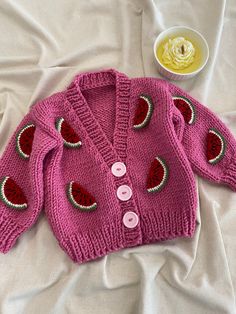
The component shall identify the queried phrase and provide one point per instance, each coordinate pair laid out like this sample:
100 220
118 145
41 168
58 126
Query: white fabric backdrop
43 44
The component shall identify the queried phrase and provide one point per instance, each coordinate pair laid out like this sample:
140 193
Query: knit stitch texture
60 158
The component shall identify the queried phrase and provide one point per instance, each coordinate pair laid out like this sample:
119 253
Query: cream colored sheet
43 44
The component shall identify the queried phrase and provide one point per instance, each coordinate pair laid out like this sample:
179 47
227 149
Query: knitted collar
76 102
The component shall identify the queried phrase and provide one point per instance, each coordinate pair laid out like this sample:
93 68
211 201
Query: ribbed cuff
9 232
229 176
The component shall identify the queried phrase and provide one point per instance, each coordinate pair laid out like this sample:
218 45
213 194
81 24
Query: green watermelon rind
59 122
75 204
223 147
193 110
18 148
164 180
149 114
5 200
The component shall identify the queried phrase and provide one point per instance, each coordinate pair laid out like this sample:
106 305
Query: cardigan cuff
229 176
9 232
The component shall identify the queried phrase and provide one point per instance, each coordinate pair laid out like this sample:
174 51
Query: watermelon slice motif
11 194
24 140
143 112
157 176
186 108
215 146
80 198
70 138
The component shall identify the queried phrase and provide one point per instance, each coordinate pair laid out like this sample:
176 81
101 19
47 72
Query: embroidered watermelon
70 138
143 112
11 194
186 108
24 140
215 146
158 175
80 198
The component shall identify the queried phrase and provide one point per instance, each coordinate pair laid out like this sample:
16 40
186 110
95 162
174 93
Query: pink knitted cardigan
111 160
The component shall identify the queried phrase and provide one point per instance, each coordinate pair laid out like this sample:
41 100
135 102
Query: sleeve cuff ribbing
229 176
9 232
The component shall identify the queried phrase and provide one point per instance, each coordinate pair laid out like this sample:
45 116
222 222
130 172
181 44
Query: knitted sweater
112 160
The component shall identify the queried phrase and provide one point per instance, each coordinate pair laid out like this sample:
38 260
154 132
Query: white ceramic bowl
191 34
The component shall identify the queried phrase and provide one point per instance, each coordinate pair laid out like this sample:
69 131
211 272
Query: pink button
130 220
124 192
118 169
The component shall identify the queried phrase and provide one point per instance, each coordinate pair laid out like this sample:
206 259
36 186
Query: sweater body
93 210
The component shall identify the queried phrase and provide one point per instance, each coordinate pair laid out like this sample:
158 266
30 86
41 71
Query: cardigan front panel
144 145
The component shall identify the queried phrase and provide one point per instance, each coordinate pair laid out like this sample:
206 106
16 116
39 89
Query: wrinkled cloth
43 45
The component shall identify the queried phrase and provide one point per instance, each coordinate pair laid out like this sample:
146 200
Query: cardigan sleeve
207 142
21 180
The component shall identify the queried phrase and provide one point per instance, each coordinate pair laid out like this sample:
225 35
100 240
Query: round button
118 169
124 192
130 220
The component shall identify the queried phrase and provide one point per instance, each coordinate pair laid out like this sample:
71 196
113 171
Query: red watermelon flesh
143 112
186 108
71 139
25 140
157 175
80 197
215 146
12 195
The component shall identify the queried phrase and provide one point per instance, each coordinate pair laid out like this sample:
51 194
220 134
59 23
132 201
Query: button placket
130 219
118 169
124 192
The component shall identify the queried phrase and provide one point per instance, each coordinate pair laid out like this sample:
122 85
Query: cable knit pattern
110 206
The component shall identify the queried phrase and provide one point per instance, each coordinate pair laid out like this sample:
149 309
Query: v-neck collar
117 150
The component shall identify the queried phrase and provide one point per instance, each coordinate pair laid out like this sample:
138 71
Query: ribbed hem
155 227
229 177
167 225
88 246
9 232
